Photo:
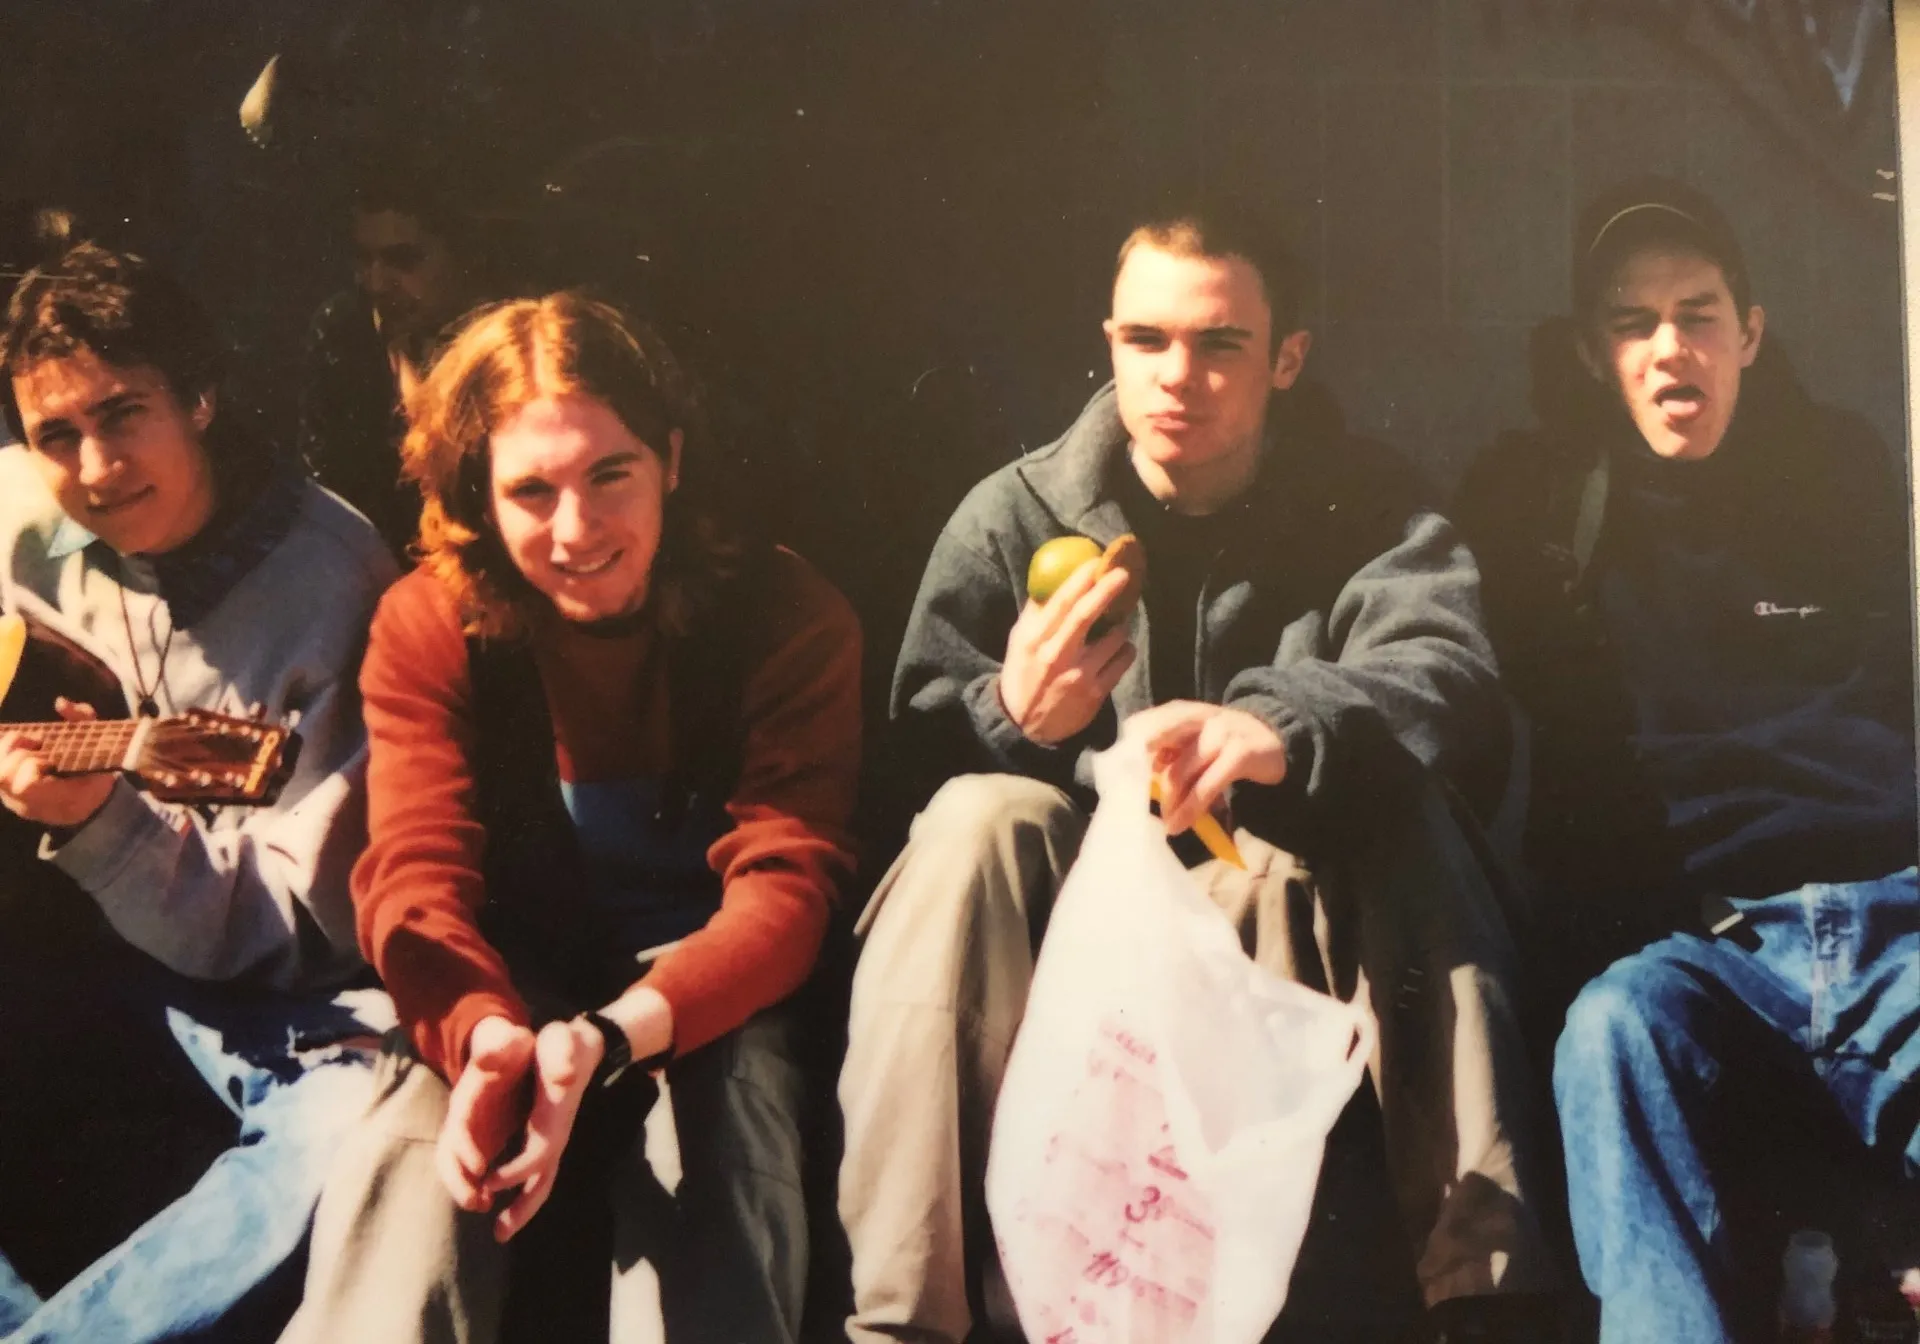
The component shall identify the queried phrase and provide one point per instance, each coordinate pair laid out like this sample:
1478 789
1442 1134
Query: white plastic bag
1159 1132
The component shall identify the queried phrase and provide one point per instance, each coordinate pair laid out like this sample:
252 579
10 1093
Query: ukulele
198 756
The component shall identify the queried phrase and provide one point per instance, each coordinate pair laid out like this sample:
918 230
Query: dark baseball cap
1652 212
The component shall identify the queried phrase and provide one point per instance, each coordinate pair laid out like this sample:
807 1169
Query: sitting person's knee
1647 997
980 811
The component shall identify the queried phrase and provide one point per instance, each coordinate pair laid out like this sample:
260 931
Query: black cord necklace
149 707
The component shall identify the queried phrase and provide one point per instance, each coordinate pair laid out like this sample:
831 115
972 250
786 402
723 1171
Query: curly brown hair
516 353
118 306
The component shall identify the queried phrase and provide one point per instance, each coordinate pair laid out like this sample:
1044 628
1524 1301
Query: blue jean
289 1071
1654 1065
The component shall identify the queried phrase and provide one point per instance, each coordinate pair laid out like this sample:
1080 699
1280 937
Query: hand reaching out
1198 749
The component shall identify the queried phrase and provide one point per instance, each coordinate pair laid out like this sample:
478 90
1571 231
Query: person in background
417 268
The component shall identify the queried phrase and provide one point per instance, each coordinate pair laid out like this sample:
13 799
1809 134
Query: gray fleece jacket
1337 608
253 893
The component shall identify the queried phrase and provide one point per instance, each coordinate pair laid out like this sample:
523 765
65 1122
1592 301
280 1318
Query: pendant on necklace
148 710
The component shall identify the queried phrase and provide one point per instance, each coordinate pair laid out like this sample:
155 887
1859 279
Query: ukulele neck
88 748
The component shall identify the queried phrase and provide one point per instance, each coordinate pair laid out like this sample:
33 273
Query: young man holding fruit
1308 650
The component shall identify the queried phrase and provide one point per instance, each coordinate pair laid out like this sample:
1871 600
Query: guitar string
97 740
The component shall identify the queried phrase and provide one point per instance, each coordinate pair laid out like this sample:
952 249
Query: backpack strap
1576 512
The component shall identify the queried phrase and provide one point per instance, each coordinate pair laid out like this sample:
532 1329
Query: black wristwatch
616 1056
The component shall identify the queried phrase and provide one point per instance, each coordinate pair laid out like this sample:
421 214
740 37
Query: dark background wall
892 223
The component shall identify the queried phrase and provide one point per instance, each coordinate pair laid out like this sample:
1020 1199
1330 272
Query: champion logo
1775 609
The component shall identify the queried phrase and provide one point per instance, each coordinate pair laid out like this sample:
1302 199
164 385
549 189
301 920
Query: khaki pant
1411 923
393 1260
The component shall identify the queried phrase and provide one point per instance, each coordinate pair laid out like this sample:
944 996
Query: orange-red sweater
418 888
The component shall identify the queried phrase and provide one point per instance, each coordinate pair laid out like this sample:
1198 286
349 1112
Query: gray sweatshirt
242 893
1336 608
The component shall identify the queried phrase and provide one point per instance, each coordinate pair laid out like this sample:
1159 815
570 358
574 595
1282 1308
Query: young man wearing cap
197 572
1697 582
1309 647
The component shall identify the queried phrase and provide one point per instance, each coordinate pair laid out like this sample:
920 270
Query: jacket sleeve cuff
1008 747
98 852
1275 811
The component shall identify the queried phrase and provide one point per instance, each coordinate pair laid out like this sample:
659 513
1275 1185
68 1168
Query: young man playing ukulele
141 528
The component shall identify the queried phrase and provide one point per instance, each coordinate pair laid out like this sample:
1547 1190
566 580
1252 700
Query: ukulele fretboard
83 748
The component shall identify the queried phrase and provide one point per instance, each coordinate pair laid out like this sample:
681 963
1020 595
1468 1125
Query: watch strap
656 1061
616 1056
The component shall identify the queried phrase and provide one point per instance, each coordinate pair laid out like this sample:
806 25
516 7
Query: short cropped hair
509 356
119 307
1218 231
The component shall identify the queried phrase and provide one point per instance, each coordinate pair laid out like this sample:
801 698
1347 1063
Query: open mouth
1682 401
587 571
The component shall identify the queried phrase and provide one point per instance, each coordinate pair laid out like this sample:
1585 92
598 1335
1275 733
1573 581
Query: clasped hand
504 1061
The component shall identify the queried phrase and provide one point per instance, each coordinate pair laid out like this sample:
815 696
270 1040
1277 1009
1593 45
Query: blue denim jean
1824 999
293 1074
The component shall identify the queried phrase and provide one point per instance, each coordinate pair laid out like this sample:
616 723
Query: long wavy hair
519 352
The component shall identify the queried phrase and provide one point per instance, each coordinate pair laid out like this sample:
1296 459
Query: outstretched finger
1098 653
1212 784
74 711
1075 586
1177 780
1095 602
1067 640
1112 669
1170 728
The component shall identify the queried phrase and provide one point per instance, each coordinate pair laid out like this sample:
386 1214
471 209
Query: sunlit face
1669 337
407 271
579 500
1194 360
120 453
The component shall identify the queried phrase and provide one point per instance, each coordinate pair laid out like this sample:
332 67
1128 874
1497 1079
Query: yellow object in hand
1212 834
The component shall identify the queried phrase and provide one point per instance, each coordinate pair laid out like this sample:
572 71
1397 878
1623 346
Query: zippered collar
1075 476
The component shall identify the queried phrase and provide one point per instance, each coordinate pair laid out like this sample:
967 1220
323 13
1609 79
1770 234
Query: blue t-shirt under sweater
1774 723
649 873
